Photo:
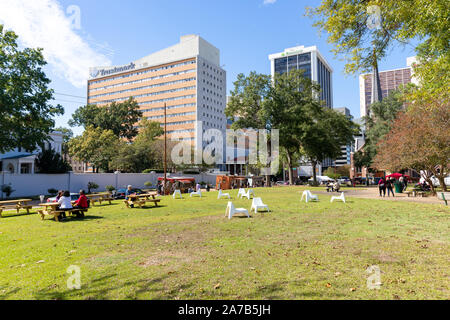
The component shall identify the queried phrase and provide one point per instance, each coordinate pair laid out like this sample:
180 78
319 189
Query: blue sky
118 32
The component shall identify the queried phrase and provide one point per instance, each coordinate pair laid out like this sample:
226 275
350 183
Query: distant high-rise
346 150
389 80
308 59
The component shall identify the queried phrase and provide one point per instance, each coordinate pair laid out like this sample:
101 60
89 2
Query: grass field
187 249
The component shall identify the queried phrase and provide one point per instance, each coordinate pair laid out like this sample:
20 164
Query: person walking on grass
389 187
382 187
405 182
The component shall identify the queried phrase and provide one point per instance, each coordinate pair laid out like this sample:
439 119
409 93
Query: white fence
26 185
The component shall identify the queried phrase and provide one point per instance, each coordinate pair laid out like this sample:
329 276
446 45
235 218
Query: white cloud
269 1
44 24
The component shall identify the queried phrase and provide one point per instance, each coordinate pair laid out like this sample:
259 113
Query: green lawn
187 249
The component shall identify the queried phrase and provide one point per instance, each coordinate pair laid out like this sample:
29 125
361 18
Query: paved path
373 193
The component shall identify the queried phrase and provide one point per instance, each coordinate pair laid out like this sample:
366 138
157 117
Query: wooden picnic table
16 205
100 197
52 209
142 199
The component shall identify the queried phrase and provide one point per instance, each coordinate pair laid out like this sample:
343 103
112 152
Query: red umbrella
398 175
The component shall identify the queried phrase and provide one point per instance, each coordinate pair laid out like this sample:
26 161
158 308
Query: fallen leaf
352 289
217 286
41 261
328 285
337 274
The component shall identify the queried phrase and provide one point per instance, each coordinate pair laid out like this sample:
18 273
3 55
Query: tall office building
312 62
389 80
346 150
187 77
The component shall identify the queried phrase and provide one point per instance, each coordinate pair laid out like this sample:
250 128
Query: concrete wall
26 185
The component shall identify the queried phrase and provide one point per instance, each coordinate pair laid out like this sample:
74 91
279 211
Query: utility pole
165 148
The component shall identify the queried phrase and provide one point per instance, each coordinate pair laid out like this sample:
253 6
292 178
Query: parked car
73 197
344 180
120 194
282 183
322 179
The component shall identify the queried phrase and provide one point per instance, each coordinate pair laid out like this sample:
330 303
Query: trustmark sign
95 72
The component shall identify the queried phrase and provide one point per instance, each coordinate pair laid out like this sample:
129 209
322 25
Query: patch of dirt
385 258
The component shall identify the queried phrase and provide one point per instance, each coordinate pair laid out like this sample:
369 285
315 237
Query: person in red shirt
81 203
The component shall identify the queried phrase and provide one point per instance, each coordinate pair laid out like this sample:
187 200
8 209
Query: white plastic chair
221 194
341 197
258 204
241 193
249 192
198 193
309 196
231 210
175 194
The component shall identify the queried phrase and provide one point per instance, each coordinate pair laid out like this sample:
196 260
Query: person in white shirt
65 203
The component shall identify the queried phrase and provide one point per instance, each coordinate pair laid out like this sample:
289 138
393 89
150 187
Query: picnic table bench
415 193
15 205
141 200
99 197
51 209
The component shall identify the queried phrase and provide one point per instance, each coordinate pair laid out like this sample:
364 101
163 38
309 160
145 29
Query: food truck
228 182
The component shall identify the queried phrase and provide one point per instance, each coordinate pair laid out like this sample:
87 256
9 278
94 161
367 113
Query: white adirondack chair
198 193
248 193
341 197
309 196
177 192
231 210
241 193
258 204
221 195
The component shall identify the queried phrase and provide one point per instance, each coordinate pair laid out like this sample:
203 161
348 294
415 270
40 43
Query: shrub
92 186
52 191
110 188
7 189
148 184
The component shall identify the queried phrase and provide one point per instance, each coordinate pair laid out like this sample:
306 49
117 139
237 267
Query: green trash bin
398 187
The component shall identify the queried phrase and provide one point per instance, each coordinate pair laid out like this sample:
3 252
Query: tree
25 111
246 104
291 107
324 138
95 146
120 118
378 124
50 161
347 27
139 154
419 139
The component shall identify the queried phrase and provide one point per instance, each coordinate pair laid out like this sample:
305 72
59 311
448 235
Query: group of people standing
388 184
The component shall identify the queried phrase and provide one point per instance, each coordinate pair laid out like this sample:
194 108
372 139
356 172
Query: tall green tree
292 107
347 24
26 115
324 138
120 118
96 146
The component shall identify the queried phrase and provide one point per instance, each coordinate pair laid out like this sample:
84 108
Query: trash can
398 187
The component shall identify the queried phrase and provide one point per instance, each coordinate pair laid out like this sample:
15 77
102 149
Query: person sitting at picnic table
129 193
81 203
330 187
59 195
337 186
65 204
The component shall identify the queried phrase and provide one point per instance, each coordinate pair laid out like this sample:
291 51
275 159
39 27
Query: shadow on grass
104 288
5 293
15 215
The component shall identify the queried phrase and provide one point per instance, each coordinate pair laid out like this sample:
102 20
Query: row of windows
178 123
143 80
168 107
212 100
181 131
144 72
148 95
213 92
145 87
182 114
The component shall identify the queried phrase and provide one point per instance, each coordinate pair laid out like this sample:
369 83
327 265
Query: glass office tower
311 61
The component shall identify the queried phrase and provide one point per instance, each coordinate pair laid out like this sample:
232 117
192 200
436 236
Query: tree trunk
289 159
314 164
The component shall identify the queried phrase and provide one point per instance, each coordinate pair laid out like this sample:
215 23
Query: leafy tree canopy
26 116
